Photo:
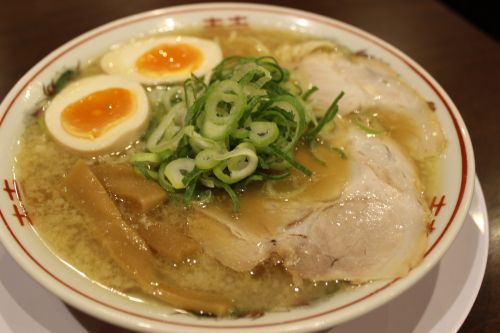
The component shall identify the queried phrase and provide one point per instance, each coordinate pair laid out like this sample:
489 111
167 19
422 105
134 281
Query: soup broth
43 165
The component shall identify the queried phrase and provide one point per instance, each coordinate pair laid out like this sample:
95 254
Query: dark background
481 13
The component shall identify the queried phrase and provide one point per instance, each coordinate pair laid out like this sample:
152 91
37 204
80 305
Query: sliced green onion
240 133
225 68
232 195
177 169
192 175
291 161
158 111
292 105
367 123
243 127
207 181
193 88
263 133
253 178
63 80
329 115
278 73
194 110
141 168
199 142
204 197
190 180
312 149
165 96
237 164
224 107
189 192
263 163
161 137
341 152
207 159
162 180
276 176
252 74
165 154
309 92
293 88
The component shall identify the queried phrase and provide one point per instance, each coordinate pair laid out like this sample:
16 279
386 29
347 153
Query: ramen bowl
448 205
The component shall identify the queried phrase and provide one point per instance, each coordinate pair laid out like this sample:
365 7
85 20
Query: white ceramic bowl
449 206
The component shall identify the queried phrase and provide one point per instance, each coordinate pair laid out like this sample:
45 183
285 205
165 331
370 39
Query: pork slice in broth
385 158
242 243
375 229
239 253
368 84
373 232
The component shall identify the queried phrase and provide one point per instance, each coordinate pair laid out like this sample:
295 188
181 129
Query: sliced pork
375 228
368 84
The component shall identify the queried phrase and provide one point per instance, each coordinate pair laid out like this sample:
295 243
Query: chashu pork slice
374 228
370 84
243 242
232 242
373 232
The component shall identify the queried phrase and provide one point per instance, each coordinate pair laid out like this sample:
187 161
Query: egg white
113 139
121 61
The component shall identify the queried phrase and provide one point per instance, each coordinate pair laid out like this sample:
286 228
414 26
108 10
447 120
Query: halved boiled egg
98 114
163 60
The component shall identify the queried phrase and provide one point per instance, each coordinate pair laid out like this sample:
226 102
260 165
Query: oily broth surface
59 225
64 229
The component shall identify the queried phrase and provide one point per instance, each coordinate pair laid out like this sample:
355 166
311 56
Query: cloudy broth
267 287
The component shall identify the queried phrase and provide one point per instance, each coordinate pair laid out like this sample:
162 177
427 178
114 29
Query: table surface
458 55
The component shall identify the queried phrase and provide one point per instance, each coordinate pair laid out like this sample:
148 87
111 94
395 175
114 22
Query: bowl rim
111 313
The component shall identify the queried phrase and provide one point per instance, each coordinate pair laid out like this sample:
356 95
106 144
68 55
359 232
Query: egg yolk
168 58
94 114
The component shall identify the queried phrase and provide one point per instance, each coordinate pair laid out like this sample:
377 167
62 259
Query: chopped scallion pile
243 126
